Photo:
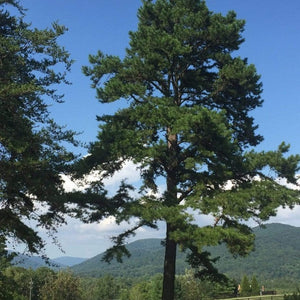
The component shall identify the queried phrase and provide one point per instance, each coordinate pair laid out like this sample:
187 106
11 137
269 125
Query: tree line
188 121
17 283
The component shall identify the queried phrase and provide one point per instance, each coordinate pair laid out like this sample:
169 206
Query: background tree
255 287
294 296
106 288
39 279
31 152
6 285
155 287
192 288
188 123
138 291
18 279
61 286
245 287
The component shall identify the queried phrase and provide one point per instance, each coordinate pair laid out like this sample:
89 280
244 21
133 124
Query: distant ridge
146 259
68 260
34 262
276 255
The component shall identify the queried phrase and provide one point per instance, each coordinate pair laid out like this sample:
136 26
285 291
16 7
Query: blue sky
272 43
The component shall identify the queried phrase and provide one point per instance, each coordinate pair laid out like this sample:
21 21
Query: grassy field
266 297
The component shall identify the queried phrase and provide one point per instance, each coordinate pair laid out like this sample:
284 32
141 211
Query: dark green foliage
31 153
6 257
204 264
294 296
187 121
245 287
6 285
255 287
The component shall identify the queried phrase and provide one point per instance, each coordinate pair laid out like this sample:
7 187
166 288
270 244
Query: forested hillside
276 255
68 260
146 260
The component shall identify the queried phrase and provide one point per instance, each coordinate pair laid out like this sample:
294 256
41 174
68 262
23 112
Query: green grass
266 297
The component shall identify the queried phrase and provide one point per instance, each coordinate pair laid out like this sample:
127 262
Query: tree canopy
32 155
188 122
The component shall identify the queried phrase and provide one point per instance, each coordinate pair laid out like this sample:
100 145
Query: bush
294 296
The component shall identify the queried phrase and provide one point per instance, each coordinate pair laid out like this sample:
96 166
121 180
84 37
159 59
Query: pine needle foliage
188 122
32 155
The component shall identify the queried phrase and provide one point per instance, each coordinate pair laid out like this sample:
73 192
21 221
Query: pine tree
245 287
31 152
187 121
255 288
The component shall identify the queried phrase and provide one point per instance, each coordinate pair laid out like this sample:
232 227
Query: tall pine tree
31 152
188 122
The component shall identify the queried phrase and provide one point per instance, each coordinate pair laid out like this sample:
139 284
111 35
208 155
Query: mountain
34 262
146 260
68 260
276 255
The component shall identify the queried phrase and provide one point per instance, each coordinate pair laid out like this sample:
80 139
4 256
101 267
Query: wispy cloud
88 240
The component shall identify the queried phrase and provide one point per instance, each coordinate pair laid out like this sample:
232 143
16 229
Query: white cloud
287 216
68 184
129 172
87 240
107 226
284 182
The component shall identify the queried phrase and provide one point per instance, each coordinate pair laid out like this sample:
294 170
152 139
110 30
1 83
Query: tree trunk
171 200
169 267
